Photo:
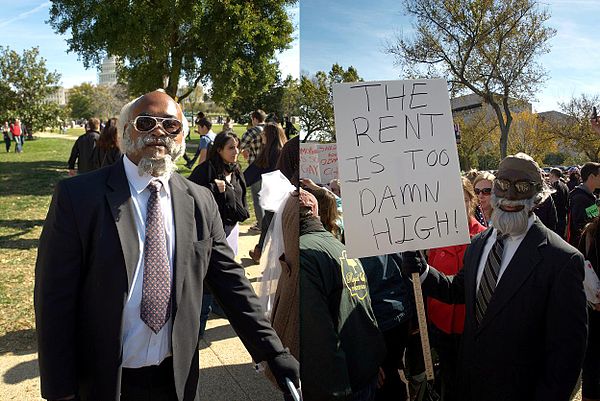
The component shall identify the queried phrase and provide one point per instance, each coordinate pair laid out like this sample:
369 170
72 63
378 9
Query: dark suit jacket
531 342
83 152
87 256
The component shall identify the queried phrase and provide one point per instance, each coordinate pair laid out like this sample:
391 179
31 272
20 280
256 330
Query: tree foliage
88 100
476 129
575 130
25 84
316 101
532 135
228 43
488 47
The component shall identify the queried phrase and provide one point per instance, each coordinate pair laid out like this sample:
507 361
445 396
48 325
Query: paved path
227 372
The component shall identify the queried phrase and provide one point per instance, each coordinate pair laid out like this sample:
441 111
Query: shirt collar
139 183
519 237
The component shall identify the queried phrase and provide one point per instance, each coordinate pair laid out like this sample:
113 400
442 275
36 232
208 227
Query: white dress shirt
511 244
141 347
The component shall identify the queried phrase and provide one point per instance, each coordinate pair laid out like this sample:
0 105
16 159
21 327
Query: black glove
413 262
285 365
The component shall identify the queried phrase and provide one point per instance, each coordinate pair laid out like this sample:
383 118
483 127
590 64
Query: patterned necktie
156 287
489 278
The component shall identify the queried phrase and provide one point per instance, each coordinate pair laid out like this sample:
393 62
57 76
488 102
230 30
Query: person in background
220 173
582 202
335 187
83 149
561 200
207 136
290 130
108 147
447 321
574 178
15 130
251 146
227 125
482 185
7 136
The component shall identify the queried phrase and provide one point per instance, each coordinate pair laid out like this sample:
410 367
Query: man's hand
413 262
72 173
220 185
282 366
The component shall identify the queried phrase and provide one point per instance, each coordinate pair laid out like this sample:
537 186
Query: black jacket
86 261
532 339
232 202
581 211
83 152
561 202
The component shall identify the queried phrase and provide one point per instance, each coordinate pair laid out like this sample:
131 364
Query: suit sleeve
448 289
323 366
229 284
74 155
57 273
566 333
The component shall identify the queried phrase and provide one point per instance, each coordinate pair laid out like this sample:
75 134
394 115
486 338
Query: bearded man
525 326
122 260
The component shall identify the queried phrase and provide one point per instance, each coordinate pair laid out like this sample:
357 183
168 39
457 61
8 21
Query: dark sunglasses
144 124
521 186
485 191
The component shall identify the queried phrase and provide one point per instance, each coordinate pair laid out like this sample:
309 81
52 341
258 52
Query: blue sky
354 32
22 26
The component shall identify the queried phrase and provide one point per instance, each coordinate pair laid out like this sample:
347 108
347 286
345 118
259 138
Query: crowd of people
14 132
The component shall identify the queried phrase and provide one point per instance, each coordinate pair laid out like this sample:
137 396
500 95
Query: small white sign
318 161
398 167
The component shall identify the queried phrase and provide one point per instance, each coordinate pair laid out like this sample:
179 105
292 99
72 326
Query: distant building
60 96
108 71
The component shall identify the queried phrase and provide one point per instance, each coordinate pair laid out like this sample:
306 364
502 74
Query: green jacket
341 347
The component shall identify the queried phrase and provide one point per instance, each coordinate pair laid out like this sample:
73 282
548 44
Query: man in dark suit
525 327
122 260
83 149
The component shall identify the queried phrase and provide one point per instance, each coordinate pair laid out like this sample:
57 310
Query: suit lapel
471 274
518 270
183 214
119 200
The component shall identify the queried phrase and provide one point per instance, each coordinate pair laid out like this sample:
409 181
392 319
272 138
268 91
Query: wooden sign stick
416 280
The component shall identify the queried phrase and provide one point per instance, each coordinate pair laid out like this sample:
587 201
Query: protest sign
398 167
318 161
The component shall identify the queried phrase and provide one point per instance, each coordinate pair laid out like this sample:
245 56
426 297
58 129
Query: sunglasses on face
145 124
522 186
484 191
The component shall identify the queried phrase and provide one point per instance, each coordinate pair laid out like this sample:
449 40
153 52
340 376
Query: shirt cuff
423 275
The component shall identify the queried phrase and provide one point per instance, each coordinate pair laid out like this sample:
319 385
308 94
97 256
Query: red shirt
15 129
449 260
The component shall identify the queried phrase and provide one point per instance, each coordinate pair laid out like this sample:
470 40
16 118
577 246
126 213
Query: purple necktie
156 288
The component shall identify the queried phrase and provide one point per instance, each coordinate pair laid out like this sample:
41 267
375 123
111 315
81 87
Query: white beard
511 223
158 166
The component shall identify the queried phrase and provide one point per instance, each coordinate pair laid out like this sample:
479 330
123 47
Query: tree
159 42
316 101
531 135
475 132
25 84
487 47
575 129
88 100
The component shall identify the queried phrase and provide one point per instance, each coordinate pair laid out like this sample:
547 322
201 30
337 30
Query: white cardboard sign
398 167
318 161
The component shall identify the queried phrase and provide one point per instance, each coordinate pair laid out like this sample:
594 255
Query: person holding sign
525 323
582 202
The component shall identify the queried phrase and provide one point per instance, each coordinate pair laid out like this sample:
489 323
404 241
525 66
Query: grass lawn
27 181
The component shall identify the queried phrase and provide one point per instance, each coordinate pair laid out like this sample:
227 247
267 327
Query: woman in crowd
328 211
447 321
590 377
273 139
483 191
108 149
574 178
221 174
7 136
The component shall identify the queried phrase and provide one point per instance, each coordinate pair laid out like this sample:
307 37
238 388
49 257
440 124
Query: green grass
27 181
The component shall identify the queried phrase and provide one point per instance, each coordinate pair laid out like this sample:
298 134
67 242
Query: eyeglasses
171 126
484 191
521 186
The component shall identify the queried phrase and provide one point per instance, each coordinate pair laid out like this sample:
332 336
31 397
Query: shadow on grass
30 178
24 227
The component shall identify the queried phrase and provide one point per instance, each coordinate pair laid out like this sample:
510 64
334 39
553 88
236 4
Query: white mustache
150 140
512 203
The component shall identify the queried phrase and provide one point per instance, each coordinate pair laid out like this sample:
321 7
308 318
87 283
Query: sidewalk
226 374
